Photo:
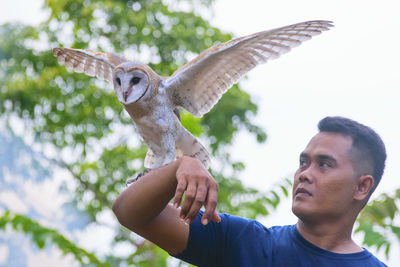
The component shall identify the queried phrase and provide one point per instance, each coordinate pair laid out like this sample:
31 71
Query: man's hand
201 189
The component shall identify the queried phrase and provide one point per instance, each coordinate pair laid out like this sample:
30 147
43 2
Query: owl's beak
127 93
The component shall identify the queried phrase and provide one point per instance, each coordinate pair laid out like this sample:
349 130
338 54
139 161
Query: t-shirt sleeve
207 244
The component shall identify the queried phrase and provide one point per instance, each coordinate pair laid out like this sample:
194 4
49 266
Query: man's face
325 181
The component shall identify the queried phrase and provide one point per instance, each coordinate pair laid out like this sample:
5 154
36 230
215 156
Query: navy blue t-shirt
236 241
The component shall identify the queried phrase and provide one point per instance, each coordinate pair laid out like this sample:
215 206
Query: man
338 171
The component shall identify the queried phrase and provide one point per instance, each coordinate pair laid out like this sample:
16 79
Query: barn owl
152 100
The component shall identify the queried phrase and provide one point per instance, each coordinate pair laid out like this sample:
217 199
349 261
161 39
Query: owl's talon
132 180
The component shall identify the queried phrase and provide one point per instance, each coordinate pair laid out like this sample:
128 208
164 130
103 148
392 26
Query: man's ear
364 185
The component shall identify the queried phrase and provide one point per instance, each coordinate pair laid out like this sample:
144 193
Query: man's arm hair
143 207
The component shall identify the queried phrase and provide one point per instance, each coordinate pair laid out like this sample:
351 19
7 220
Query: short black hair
369 152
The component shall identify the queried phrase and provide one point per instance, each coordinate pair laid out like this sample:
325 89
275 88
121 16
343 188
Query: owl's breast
160 117
158 125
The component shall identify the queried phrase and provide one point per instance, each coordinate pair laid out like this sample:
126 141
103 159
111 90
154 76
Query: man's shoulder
238 219
373 260
245 226
236 223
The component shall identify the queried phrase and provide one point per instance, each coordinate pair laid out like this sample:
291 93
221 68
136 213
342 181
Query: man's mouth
301 192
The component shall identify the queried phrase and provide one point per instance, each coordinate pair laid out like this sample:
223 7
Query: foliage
249 202
43 236
81 118
378 222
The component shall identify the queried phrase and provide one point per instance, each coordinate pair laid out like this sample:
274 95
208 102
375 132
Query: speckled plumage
151 99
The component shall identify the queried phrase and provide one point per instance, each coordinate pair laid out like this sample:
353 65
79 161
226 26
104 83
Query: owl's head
132 82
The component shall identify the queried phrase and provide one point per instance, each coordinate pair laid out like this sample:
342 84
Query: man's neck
332 237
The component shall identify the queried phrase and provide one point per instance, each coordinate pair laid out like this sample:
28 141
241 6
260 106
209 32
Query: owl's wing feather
199 84
92 63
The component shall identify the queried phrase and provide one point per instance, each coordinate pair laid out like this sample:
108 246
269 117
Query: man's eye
324 164
302 163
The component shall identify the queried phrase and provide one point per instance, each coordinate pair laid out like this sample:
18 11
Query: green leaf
376 222
395 230
192 124
43 236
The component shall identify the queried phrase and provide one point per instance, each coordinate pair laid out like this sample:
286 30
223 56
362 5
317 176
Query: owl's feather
199 84
92 63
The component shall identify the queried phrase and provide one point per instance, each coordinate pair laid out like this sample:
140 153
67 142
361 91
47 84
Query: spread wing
90 62
199 84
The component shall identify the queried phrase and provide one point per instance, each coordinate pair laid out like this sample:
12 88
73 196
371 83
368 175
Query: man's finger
180 189
199 200
211 204
189 198
215 217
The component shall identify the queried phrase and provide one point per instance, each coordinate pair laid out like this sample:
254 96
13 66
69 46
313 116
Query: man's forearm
143 206
147 197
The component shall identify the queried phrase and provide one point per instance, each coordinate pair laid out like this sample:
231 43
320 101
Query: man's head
339 169
367 153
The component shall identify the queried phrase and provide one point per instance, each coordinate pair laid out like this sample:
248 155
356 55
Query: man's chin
306 214
300 211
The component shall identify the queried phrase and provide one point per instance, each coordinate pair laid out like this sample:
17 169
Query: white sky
351 70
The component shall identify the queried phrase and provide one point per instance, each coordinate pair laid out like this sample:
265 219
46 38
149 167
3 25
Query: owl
152 100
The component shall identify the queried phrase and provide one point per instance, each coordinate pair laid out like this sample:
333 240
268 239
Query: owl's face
131 83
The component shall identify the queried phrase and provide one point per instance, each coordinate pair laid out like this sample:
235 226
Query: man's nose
304 178
306 175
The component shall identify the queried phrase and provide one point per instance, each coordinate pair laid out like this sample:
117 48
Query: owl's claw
132 180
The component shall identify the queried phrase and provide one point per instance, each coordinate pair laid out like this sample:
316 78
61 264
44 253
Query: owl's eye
135 80
118 80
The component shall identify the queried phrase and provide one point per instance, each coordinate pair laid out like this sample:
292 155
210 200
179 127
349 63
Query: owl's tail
190 146
186 144
150 159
